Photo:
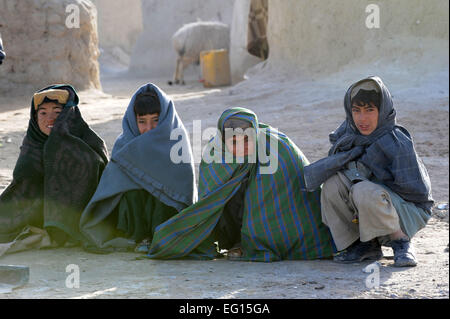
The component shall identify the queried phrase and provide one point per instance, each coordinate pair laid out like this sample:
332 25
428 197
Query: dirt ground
306 111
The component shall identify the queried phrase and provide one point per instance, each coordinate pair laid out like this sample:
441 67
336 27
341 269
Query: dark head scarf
68 122
34 132
388 152
55 175
347 135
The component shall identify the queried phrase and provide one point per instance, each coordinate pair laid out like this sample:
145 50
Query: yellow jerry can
215 67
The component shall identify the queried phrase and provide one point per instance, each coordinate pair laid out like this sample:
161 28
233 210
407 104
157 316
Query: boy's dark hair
147 103
364 97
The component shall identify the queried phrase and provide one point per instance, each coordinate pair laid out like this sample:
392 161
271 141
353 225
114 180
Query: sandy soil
306 111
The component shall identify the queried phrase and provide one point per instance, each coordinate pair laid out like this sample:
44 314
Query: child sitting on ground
142 187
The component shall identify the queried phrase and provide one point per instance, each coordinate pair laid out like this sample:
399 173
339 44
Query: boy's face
365 118
147 122
240 145
46 116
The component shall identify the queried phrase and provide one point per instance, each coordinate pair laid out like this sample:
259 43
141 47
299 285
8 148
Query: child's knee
366 195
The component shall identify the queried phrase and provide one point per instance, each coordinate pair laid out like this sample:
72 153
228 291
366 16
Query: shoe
95 250
360 251
404 254
235 253
143 247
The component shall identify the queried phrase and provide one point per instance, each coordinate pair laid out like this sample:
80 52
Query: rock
45 50
13 277
54 19
57 31
319 287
